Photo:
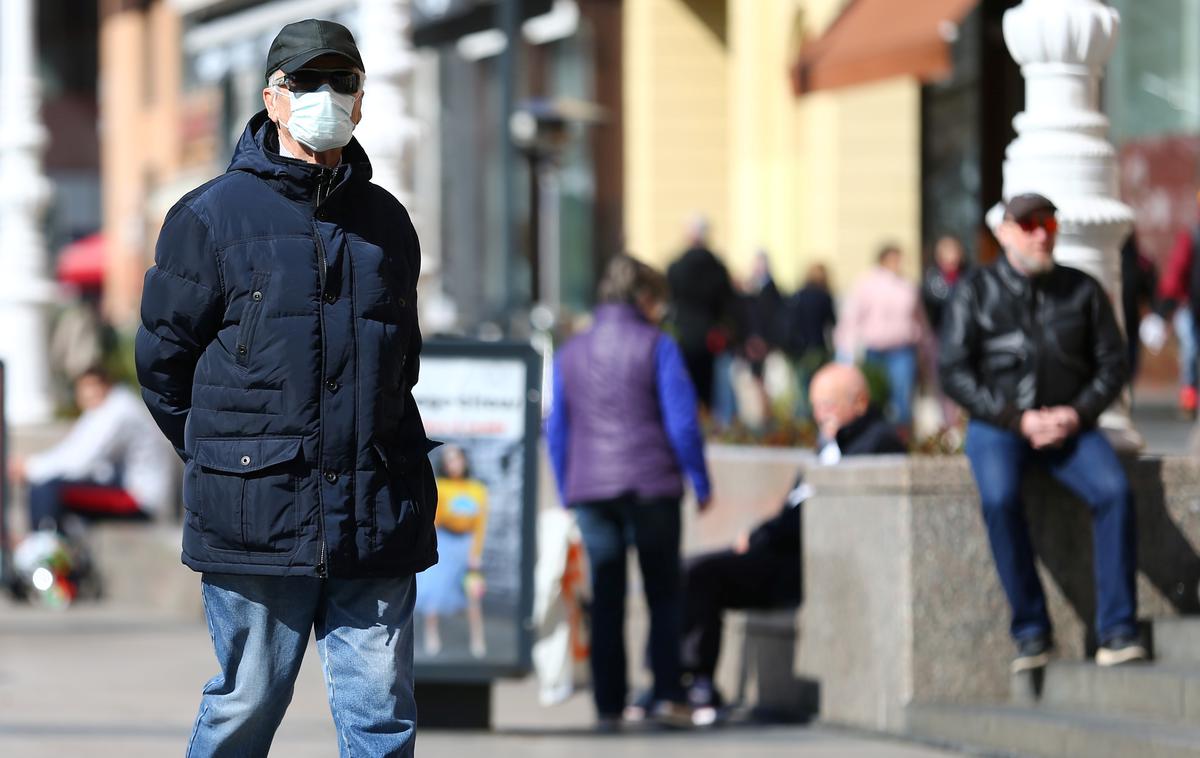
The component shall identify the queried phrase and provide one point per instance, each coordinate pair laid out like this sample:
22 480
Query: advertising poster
481 401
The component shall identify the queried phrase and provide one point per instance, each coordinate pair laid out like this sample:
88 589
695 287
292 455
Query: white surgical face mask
320 120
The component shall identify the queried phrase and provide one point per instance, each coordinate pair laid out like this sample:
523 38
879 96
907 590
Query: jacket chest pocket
1070 334
252 315
246 490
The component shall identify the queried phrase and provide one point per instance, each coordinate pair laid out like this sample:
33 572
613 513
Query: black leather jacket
1010 343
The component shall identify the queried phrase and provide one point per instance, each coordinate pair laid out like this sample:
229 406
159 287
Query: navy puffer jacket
278 351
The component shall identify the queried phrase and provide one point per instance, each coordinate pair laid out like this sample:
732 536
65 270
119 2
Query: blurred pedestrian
81 339
1139 281
1179 295
1032 350
703 305
278 351
807 321
112 463
949 264
623 429
761 569
883 319
940 279
759 305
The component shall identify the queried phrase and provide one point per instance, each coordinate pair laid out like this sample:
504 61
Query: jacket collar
849 434
257 153
1016 281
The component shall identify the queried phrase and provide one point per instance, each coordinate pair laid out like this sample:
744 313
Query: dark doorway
966 124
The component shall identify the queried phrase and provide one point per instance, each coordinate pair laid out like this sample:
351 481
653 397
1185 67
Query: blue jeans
609 528
260 626
1087 466
1185 332
724 401
900 365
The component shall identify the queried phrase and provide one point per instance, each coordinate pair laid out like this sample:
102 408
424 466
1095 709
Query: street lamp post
1062 149
24 193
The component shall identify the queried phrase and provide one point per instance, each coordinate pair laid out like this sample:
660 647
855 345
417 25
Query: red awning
879 39
82 262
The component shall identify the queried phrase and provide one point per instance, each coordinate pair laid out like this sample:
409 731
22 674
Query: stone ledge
902 603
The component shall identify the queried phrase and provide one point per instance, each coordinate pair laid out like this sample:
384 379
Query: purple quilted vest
616 444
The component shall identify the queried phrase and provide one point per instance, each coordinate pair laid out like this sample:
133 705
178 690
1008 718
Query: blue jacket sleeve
557 427
677 399
182 307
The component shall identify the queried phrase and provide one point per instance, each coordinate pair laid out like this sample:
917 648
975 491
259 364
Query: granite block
902 601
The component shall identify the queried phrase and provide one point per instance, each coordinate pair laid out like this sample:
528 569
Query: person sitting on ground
113 463
761 570
1032 351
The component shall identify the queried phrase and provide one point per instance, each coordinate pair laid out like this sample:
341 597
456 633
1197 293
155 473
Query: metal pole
508 12
7 577
548 252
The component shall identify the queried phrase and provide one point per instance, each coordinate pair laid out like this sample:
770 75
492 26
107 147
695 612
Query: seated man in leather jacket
1032 351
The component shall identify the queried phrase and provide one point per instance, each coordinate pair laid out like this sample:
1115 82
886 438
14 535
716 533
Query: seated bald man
761 569
846 421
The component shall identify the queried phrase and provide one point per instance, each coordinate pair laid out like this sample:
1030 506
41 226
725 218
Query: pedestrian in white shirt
112 462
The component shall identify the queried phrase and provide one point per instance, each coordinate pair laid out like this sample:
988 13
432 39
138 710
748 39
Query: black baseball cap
1023 206
298 43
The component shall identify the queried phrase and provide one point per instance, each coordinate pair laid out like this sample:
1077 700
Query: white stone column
1062 149
24 192
388 130
392 133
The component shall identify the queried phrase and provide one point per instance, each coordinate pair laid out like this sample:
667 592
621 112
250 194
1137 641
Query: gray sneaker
1032 653
1124 648
673 715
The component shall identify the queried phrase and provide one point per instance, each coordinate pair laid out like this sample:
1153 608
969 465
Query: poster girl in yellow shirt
456 582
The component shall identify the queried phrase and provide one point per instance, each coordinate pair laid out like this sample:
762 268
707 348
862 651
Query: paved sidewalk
96 681
103 682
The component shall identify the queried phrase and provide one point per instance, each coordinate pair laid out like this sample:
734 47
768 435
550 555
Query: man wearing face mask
1032 351
278 351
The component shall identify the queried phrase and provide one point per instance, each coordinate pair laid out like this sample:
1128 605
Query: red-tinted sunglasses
1049 223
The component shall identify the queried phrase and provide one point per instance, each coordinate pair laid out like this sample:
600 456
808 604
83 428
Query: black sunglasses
312 79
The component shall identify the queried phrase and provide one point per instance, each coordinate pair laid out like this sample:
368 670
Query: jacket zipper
1037 342
322 263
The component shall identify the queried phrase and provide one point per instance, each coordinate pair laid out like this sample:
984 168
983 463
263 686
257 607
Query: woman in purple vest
623 428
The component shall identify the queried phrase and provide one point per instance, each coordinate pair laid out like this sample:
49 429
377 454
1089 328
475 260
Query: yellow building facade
714 126
140 138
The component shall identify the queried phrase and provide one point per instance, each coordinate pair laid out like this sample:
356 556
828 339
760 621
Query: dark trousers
757 579
700 367
609 528
1087 466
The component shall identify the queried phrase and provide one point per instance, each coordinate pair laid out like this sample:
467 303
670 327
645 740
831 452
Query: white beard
1029 265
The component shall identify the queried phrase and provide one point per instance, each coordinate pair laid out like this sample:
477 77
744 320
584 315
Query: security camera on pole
1062 149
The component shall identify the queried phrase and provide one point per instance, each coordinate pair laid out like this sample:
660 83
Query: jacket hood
257 153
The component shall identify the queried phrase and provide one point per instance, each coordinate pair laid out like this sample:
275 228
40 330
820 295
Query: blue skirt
440 588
